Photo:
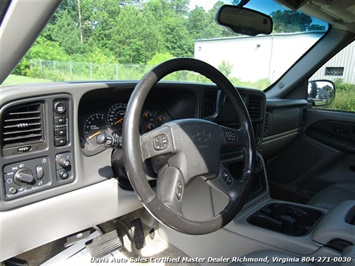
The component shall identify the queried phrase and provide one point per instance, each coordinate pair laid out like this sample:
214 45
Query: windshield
122 40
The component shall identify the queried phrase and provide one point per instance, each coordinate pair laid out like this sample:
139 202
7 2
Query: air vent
22 125
209 103
255 107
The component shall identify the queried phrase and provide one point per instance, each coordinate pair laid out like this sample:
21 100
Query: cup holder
285 218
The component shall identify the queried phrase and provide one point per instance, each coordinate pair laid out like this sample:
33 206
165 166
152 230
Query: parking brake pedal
105 244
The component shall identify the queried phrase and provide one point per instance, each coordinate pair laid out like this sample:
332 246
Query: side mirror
321 92
243 20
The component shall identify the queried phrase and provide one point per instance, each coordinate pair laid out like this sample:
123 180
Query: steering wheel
191 148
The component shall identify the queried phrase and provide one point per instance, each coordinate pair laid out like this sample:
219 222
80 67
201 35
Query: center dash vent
209 103
255 107
23 124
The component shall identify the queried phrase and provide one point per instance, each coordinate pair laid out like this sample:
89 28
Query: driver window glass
341 71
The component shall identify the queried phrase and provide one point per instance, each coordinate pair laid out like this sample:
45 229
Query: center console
290 226
286 218
337 229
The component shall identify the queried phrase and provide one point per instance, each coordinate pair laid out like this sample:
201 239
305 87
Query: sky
266 5
207 5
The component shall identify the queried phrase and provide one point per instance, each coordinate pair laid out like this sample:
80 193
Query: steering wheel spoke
170 188
157 142
225 183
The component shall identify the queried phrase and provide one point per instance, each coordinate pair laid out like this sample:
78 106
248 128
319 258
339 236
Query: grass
344 101
16 79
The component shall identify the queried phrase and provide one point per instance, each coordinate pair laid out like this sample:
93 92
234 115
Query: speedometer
115 116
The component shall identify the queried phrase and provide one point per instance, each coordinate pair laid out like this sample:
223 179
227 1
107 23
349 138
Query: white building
268 56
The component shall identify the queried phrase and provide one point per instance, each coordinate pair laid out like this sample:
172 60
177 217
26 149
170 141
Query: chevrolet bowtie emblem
201 136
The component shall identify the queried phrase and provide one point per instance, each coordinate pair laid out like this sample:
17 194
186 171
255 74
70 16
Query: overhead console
36 146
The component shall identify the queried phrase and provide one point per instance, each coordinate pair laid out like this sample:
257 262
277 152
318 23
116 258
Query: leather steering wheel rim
134 151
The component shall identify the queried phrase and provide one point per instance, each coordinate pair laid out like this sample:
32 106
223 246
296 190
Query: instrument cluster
109 120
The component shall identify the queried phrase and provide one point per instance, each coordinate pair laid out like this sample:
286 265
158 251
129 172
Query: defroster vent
22 125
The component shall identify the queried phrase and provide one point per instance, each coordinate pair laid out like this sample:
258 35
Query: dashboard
53 171
49 142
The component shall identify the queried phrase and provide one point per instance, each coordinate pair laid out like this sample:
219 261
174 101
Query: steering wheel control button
227 178
59 108
231 136
161 142
24 176
179 189
39 172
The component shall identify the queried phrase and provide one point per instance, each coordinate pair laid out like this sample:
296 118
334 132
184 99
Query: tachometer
94 125
115 115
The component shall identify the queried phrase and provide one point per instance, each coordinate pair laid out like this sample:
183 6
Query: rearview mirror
243 20
321 92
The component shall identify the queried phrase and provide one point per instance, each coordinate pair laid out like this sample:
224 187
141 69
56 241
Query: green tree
197 23
292 21
159 58
180 7
66 33
226 68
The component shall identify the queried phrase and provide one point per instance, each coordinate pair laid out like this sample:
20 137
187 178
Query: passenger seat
330 196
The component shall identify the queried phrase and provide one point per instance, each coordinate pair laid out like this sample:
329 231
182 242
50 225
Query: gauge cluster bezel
103 118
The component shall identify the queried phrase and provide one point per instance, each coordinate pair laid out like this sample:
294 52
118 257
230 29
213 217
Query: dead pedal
138 234
105 244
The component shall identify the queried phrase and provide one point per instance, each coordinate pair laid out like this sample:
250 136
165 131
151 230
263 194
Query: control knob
24 176
65 163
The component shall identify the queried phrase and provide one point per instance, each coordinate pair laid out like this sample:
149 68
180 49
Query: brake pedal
105 244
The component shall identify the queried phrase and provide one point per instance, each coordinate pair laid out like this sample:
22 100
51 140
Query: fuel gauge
161 119
149 127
